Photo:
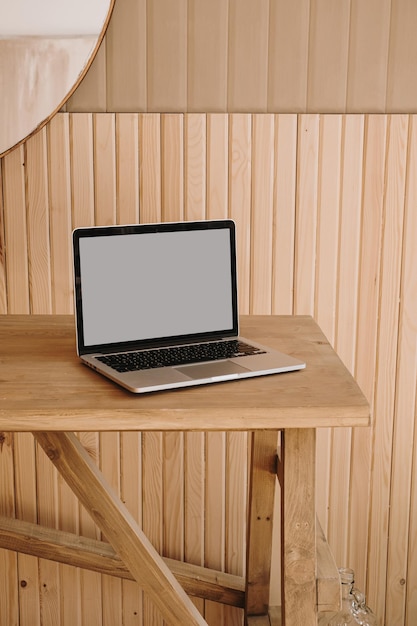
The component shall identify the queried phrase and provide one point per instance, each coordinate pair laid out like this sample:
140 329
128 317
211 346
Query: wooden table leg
119 527
298 527
262 484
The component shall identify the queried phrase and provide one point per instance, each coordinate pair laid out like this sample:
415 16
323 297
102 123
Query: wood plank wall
326 217
276 56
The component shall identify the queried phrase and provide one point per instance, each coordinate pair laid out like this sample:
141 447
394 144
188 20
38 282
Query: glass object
354 610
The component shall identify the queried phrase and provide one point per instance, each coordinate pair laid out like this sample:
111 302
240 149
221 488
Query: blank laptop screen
140 286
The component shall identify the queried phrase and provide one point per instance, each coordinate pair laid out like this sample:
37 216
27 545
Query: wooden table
44 389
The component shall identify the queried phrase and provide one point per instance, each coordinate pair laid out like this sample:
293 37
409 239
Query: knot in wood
52 454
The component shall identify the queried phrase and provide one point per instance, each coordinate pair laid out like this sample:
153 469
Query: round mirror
46 47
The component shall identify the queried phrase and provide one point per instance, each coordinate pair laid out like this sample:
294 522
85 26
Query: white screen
140 286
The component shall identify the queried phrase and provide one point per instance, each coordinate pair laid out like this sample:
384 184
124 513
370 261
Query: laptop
156 306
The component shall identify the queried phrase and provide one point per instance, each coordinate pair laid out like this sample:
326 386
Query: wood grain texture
323 394
404 411
104 170
90 95
273 56
166 37
262 213
15 231
368 314
82 170
59 180
207 54
248 65
217 166
127 168
401 92
385 391
38 223
367 320
240 176
91 488
306 215
284 219
299 528
369 51
328 55
195 135
288 58
172 170
260 520
126 57
90 554
3 288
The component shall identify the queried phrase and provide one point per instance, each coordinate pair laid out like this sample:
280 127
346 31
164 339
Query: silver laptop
156 306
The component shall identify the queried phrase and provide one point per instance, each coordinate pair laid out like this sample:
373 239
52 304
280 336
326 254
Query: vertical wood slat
262 213
368 56
82 170
328 55
150 168
104 170
405 403
126 57
47 515
15 227
130 492
59 177
401 90
91 582
240 146
172 167
194 513
9 608
38 224
329 182
195 154
90 94
166 55
217 166
306 214
346 317
127 168
287 73
152 506
408 596
215 514
173 508
366 343
285 174
387 355
110 468
328 223
207 37
3 280
25 494
248 65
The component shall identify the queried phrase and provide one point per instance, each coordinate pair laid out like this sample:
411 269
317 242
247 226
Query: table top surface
44 385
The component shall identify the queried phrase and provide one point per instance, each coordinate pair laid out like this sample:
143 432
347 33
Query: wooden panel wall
344 56
325 207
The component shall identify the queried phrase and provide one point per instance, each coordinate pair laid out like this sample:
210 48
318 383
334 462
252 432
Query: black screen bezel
100 231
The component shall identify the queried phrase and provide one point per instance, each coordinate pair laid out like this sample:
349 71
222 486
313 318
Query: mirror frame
72 89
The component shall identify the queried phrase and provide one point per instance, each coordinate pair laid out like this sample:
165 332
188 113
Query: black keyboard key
177 355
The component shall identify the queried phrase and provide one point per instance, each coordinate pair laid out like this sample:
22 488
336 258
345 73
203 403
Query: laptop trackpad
211 370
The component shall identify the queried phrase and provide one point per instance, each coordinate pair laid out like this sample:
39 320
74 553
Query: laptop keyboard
178 355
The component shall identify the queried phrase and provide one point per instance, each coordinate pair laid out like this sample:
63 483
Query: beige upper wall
264 56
